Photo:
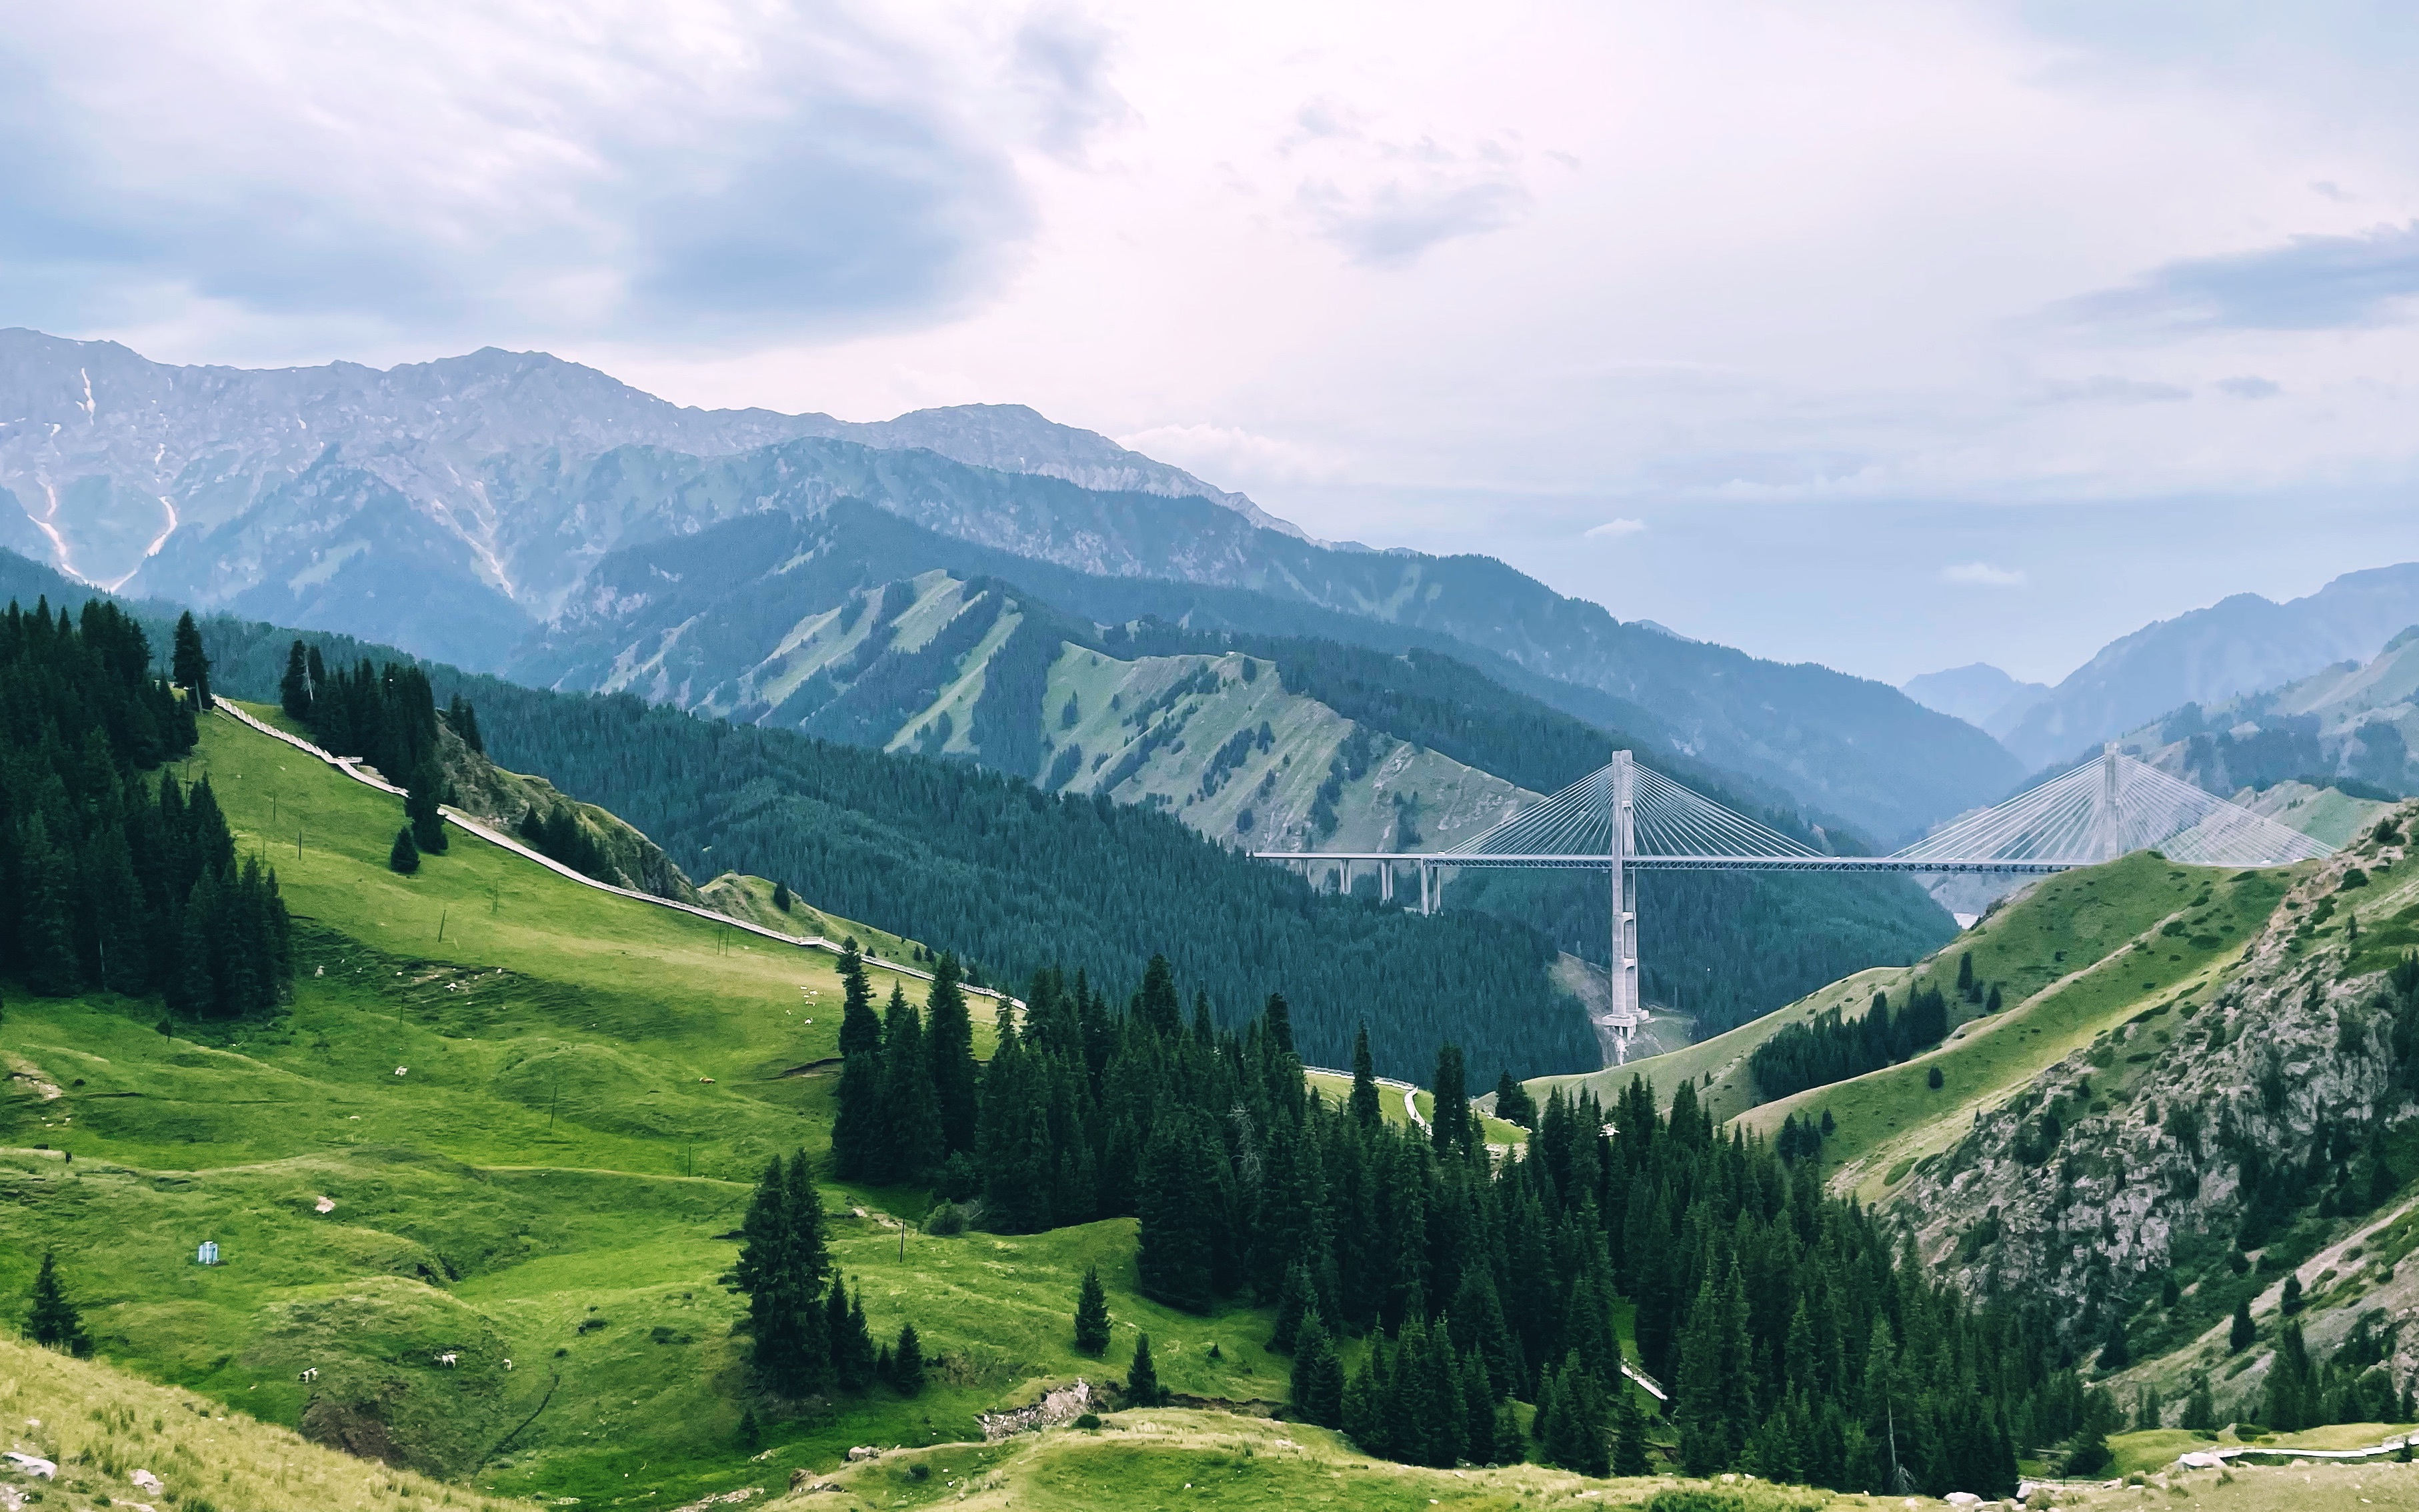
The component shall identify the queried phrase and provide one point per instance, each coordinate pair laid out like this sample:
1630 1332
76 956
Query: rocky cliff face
2223 1139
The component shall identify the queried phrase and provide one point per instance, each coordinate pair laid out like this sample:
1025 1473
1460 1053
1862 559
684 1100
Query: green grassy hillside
100 1426
2076 957
1177 714
530 1135
1718 1066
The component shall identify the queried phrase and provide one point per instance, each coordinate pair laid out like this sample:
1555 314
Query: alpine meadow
1045 757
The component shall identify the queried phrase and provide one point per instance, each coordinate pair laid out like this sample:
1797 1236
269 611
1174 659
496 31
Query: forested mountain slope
1433 716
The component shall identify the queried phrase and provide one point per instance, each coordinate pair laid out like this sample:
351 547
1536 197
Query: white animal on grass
449 1360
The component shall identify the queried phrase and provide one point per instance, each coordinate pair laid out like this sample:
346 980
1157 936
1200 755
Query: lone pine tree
1092 1314
422 800
187 664
1142 1377
404 855
907 1363
781 1265
52 1321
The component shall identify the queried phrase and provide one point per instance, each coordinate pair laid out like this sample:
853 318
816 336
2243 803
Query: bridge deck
1683 863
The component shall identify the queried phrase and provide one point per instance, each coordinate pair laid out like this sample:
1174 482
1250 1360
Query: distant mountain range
2354 725
507 511
2235 646
1981 694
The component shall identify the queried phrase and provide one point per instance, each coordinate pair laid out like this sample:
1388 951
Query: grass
1724 1058
589 1085
2080 958
100 1426
1149 1461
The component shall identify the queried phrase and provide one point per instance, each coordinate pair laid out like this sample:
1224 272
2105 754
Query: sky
1889 336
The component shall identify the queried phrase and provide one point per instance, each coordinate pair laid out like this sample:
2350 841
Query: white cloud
1453 278
1613 529
1983 574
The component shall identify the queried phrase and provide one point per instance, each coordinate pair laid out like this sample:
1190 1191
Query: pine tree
1172 1251
911 1115
1363 1421
405 856
1448 1128
780 1267
1629 1438
53 1322
859 1138
2292 1302
464 721
1364 1081
949 1032
1157 1006
1092 1314
1299 1300
1141 1378
1965 975
2243 1333
752 1433
294 688
1317 1374
1513 1104
422 800
907 1363
1278 1016
2200 1408
188 667
781 898
857 1363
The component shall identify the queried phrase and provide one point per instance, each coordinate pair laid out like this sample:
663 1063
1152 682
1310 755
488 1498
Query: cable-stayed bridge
1623 818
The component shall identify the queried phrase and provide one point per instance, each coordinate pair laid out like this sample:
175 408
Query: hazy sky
1889 336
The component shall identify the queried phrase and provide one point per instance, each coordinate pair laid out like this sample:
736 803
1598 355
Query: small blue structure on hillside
208 1253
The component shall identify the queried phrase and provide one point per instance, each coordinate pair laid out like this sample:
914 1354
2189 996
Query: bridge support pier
1629 1013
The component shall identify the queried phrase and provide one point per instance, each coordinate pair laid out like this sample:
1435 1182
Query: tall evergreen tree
294 688
1278 1016
1318 1384
1173 1253
782 896
781 1265
422 804
464 722
188 666
911 1115
1629 1435
53 1322
1364 1081
907 1363
1158 1005
1513 1104
859 1135
2242 1333
1092 1314
404 855
950 1040
1451 1127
